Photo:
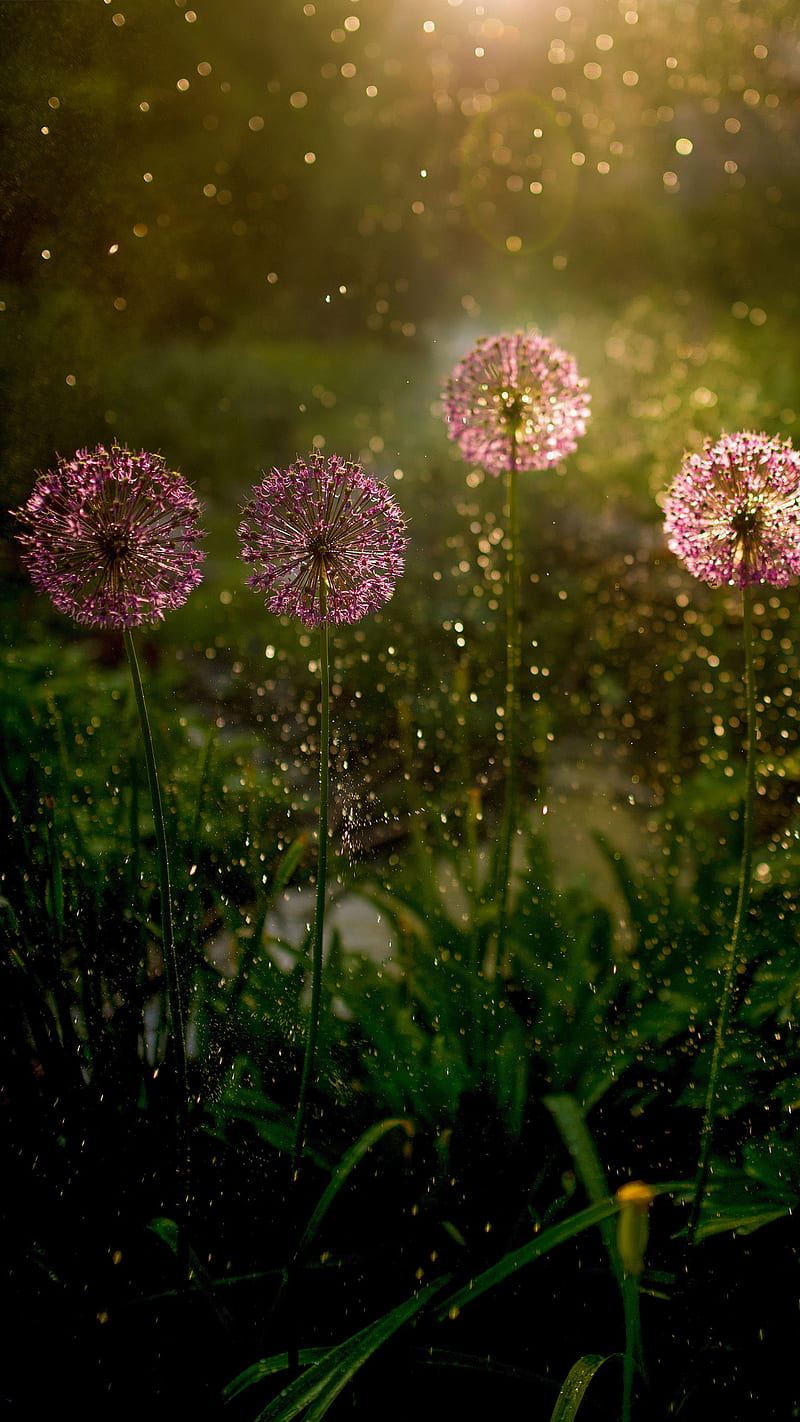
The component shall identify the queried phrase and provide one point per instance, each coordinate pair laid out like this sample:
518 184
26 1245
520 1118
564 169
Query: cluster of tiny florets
325 540
111 537
733 511
516 401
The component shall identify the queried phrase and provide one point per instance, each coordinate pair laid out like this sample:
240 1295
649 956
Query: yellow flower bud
634 1199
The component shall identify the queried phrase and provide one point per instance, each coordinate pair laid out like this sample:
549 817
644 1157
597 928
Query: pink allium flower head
326 541
516 393
111 537
733 512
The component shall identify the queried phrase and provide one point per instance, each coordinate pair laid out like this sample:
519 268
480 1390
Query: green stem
317 943
69 1038
475 997
322 877
170 959
733 952
510 720
632 1361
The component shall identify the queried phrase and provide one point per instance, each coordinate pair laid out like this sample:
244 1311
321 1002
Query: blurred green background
234 233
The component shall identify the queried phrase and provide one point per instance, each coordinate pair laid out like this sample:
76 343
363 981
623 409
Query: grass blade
348 1163
518 1258
267 1368
541 1244
284 870
575 1384
576 1136
319 1387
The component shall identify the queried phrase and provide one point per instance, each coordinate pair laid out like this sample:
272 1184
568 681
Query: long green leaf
200 792
267 1368
348 1163
637 893
577 1137
319 1387
168 1232
541 1244
283 873
517 1258
575 1384
286 866
447 1358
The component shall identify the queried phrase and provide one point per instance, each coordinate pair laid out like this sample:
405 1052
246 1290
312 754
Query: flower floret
732 514
111 537
324 539
516 401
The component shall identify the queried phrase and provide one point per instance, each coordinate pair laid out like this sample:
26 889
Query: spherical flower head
516 401
111 537
733 512
325 540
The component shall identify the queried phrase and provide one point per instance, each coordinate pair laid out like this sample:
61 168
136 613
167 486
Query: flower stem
322 876
632 1361
733 952
170 960
510 727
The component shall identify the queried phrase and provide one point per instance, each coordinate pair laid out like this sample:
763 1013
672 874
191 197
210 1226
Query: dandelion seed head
111 537
325 541
516 399
732 514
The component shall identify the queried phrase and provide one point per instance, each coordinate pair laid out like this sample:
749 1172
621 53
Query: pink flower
111 537
516 400
325 539
733 512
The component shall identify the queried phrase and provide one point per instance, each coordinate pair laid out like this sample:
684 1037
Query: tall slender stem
289 1287
733 952
511 714
170 958
632 1361
322 876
